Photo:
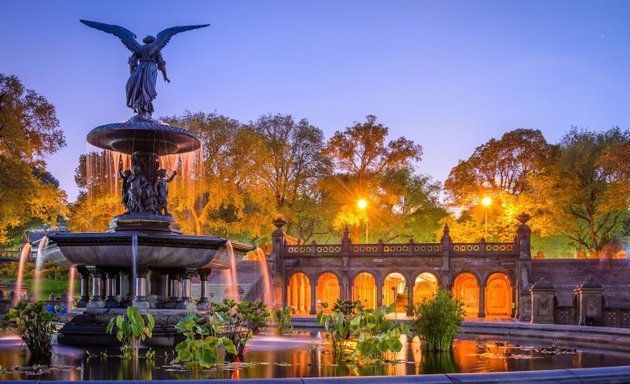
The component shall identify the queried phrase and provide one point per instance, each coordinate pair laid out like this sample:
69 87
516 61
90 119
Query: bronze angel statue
144 63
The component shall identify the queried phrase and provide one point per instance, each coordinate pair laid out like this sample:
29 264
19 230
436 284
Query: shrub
131 330
436 321
34 324
239 321
202 343
282 320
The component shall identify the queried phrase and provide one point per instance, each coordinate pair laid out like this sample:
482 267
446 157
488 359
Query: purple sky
447 74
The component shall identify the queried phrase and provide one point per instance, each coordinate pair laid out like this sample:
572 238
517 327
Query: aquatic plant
34 325
131 330
436 321
238 321
359 333
282 320
203 341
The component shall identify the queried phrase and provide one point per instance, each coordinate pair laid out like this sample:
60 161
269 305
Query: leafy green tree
589 185
292 162
503 170
370 167
29 131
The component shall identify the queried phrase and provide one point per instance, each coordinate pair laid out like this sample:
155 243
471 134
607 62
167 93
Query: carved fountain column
85 287
203 299
96 301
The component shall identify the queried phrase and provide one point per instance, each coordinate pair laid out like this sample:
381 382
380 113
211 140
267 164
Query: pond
305 356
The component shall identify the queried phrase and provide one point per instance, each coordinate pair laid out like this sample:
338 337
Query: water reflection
304 356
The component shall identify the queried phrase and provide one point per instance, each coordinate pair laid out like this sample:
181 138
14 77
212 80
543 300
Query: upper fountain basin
143 135
154 250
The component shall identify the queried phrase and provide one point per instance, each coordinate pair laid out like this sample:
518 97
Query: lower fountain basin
155 250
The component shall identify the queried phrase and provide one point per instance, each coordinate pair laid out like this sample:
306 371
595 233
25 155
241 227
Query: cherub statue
137 182
125 187
144 63
161 190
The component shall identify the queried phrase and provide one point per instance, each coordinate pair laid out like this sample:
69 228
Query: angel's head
148 40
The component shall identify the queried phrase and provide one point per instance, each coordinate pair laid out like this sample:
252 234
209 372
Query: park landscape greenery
577 190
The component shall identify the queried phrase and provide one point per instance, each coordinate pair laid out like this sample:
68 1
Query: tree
503 170
99 197
220 193
29 131
589 185
368 167
292 162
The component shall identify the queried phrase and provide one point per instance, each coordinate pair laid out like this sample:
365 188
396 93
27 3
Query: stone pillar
124 297
140 300
543 301
204 302
110 289
96 301
379 293
590 297
482 301
163 291
446 245
313 310
85 288
186 293
524 309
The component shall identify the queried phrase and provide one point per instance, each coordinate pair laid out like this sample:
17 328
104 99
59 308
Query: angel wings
144 63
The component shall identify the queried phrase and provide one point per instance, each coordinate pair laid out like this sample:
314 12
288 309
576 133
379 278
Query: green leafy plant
203 341
131 330
282 320
337 324
34 324
238 321
436 321
377 335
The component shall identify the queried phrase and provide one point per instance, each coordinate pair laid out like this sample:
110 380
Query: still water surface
303 356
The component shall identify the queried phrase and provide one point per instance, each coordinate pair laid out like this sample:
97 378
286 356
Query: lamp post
486 201
362 204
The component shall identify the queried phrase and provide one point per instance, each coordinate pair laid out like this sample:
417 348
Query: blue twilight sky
447 74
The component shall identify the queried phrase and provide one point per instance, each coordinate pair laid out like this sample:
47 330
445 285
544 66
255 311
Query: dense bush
282 321
436 321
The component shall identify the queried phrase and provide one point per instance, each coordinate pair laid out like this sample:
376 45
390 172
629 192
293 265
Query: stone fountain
143 260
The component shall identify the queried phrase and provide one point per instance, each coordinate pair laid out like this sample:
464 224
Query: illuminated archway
424 288
498 295
394 291
327 290
466 289
364 290
299 294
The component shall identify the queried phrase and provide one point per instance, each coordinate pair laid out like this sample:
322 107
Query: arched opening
498 295
327 290
299 294
424 288
394 291
364 290
466 289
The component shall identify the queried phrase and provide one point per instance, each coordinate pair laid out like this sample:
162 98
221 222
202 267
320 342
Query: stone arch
394 290
328 289
299 293
466 289
499 295
426 284
364 289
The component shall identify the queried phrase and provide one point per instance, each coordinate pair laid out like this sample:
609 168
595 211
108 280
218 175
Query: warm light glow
362 204
486 201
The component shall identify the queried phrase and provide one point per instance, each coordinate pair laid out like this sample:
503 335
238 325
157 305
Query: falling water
134 263
26 252
262 260
39 263
230 275
70 296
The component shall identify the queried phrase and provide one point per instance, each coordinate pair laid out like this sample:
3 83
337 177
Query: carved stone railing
400 249
10 255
